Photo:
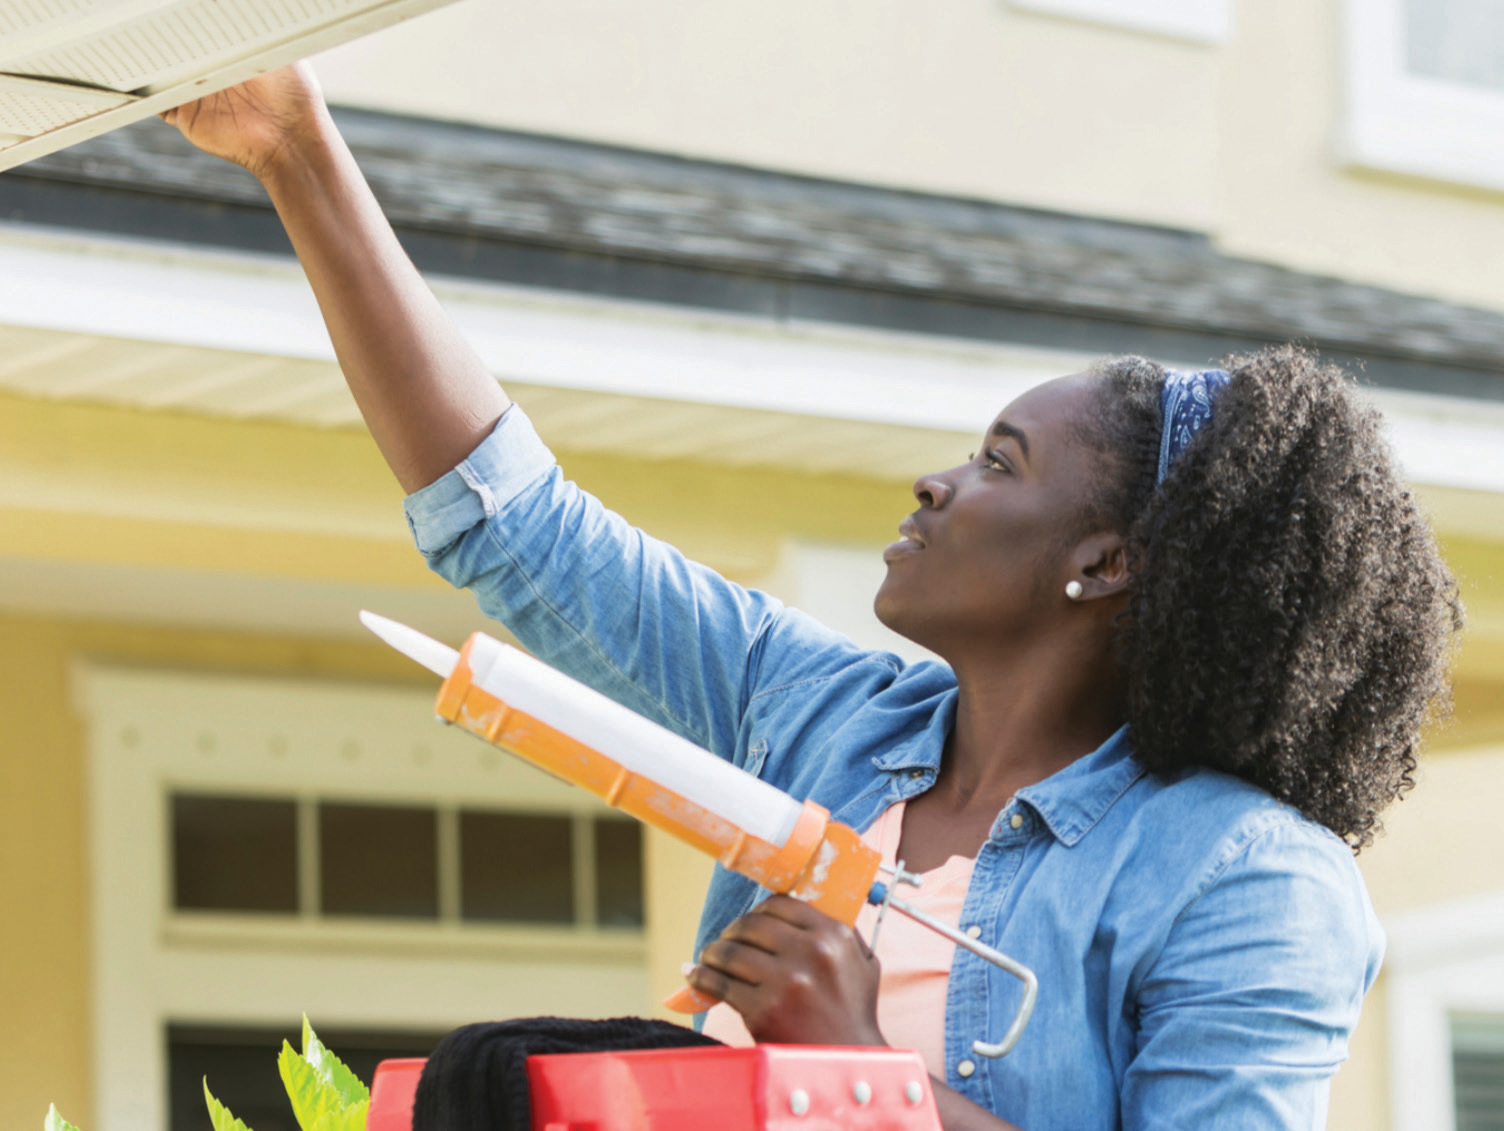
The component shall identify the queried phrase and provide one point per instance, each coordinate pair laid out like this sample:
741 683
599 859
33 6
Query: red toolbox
766 1088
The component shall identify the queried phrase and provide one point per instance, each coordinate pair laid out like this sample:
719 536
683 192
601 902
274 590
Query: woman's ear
1101 566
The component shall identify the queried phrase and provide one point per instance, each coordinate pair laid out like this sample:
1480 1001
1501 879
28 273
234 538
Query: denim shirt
1202 950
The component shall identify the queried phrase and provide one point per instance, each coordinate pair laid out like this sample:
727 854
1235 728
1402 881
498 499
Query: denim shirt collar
1069 802
922 749
1074 799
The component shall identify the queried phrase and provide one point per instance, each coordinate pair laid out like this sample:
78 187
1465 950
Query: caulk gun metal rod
997 958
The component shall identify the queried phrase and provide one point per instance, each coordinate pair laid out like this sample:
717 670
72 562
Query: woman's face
985 558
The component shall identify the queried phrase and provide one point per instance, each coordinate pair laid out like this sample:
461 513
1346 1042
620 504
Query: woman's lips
908 542
902 548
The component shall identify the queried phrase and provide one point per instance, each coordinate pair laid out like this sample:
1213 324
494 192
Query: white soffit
149 327
72 69
1196 21
239 336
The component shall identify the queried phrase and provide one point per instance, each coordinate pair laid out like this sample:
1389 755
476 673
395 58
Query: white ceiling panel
71 69
58 365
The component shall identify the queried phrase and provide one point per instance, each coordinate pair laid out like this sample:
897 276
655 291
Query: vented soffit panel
73 69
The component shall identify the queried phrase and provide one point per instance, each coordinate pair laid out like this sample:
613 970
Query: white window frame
152 733
1196 21
1443 960
1398 122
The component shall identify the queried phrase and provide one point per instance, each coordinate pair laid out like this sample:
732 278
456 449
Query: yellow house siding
44 887
44 957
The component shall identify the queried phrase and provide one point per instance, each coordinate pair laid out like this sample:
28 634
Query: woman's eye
996 463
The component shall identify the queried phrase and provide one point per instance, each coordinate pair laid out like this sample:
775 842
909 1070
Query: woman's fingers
794 974
798 915
765 930
252 123
795 912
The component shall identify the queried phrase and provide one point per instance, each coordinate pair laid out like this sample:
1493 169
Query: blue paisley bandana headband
1186 404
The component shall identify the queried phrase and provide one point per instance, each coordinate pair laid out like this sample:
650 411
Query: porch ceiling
164 377
153 328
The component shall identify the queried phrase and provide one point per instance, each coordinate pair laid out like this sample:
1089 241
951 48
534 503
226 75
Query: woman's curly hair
1291 619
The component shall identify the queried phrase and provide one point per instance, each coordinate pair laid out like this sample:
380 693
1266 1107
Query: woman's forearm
425 395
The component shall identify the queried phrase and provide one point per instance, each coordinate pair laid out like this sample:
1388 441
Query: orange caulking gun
529 709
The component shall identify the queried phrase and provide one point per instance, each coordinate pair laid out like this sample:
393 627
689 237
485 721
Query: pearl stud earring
1073 590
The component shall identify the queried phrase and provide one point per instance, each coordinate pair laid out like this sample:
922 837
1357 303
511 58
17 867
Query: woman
1191 623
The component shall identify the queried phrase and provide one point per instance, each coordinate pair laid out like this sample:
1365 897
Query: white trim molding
1443 961
1401 122
1196 21
151 732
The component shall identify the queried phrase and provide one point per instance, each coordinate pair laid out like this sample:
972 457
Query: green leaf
331 1069
219 1115
312 1099
352 1118
56 1122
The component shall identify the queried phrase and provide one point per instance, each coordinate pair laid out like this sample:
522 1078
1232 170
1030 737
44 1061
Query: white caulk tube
637 744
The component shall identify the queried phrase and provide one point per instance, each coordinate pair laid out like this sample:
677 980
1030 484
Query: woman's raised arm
426 397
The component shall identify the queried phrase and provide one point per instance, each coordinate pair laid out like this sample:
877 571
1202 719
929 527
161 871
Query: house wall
977 98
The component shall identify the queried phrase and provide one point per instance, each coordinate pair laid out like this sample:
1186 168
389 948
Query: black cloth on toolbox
476 1080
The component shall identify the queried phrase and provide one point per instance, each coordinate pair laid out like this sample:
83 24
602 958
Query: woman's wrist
299 152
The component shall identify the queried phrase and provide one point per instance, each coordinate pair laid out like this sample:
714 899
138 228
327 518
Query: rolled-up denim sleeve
1245 1014
587 592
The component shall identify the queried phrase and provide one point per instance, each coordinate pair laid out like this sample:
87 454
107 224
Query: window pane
1478 1071
378 860
516 868
234 854
618 873
241 1065
1457 40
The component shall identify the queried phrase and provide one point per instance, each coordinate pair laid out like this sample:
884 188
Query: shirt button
1016 821
965 1068
915 775
973 932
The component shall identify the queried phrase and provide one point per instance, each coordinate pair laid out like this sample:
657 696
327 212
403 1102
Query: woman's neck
1022 717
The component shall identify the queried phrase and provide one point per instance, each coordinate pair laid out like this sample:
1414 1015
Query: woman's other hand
796 976
257 122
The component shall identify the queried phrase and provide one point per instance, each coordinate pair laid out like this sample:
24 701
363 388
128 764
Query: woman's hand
795 975
259 121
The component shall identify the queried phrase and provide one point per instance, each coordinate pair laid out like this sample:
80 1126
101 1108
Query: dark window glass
516 868
618 873
241 1066
1478 1086
234 854
378 860
1478 1071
